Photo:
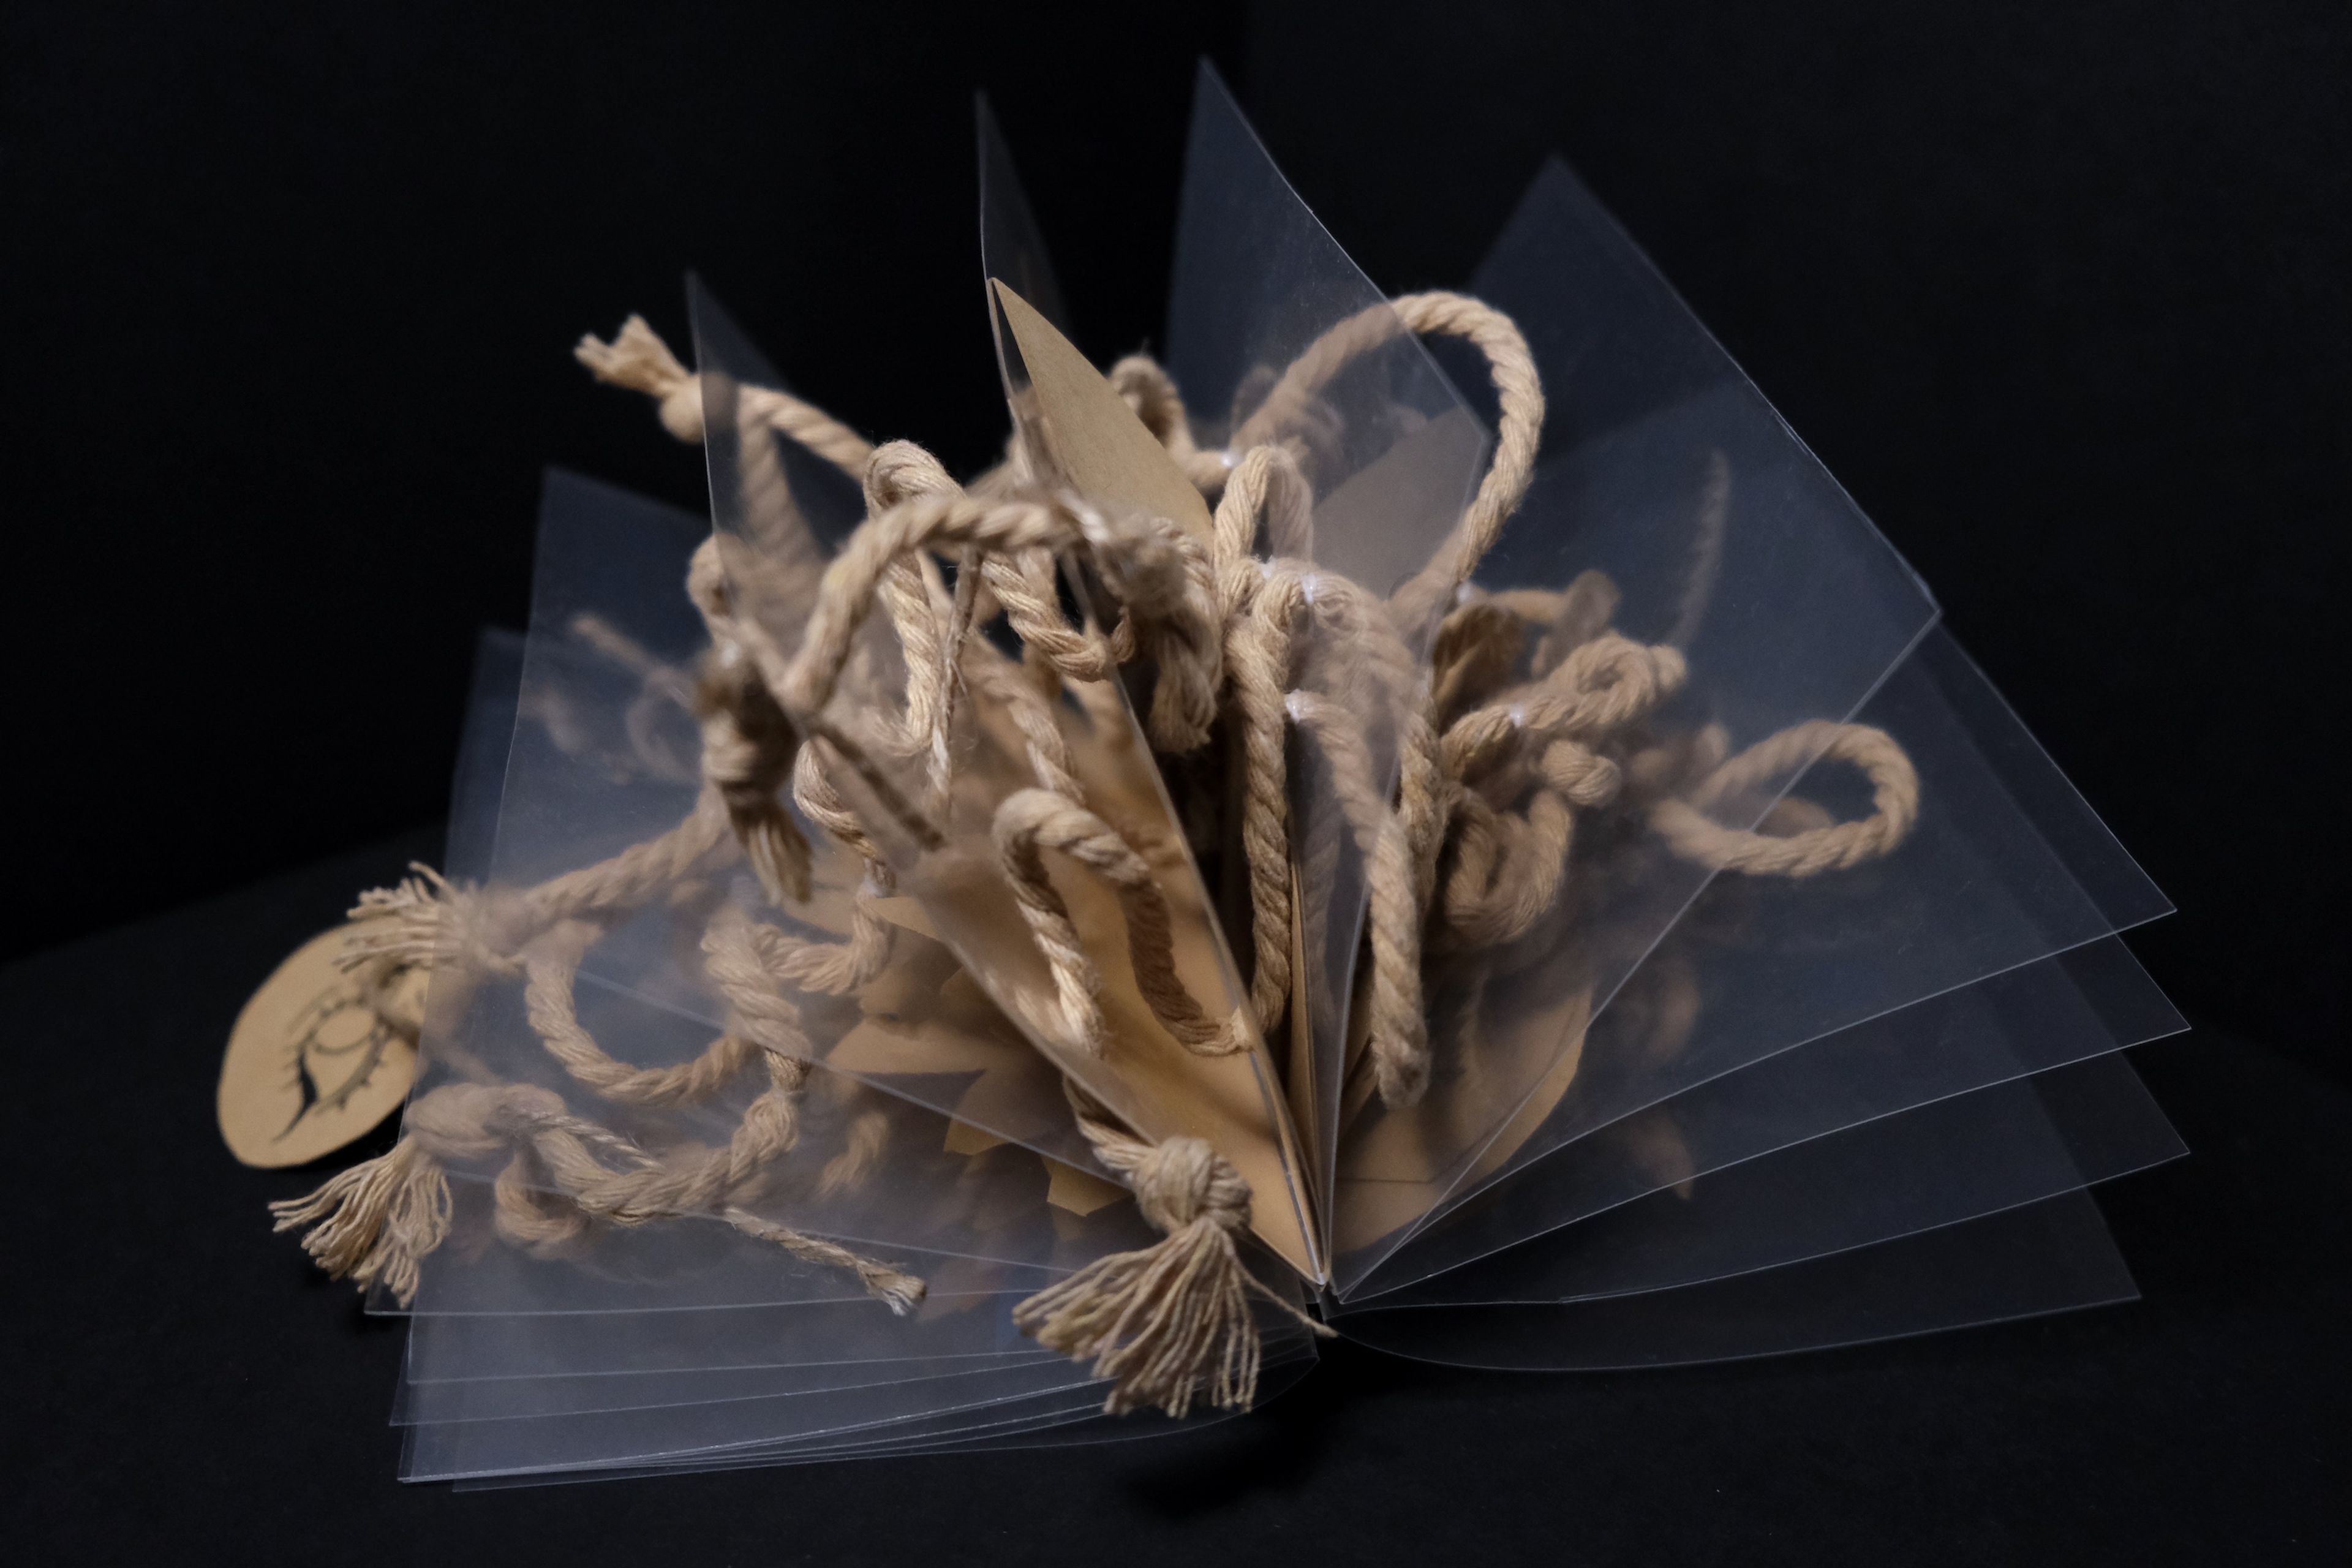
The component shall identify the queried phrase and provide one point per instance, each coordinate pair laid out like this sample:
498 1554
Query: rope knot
465 1121
1183 1180
637 359
427 921
748 751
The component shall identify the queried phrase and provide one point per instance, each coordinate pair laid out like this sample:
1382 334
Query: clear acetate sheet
626 1329
595 767
1942 1163
772 1429
495 1322
2003 866
1672 504
2053 1255
517 1365
2068 1008
483 736
781 510
1064 1418
933 813
430 1401
1303 389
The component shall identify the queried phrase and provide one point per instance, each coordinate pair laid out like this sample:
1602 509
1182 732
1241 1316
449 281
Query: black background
2058 291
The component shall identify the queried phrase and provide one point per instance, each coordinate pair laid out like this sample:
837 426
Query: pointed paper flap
1086 436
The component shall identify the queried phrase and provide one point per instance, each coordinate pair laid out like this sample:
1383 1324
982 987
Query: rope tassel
376 1221
1171 1321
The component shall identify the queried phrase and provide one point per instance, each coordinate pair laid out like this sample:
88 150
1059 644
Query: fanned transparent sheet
2053 1255
2047 1014
937 832
610 1352
1952 1160
595 767
1300 355
1665 470
763 1431
639 1319
2004 867
1726 517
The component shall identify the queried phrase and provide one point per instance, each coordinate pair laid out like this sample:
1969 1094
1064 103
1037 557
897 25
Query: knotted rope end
376 1221
424 921
1171 1323
901 1292
639 359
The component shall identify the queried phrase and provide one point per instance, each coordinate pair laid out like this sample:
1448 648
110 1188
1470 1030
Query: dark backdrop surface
2056 290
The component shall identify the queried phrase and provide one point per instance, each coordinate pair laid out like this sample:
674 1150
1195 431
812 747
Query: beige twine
376 1221
1170 1323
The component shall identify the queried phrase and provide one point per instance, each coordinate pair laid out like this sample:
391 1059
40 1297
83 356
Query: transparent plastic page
776 1428
1979 886
594 770
859 1165
481 772
473 1368
1958 1159
503 1398
489 1266
2071 1007
914 1026
460 1347
444 1451
476 783
1011 247
1674 525
1303 386
1011 1423
1061 1419
937 831
2055 1256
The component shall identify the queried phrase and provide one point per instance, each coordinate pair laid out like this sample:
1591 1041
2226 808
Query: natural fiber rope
378 1220
1170 1323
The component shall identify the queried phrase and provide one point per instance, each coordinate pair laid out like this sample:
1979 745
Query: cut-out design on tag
317 1059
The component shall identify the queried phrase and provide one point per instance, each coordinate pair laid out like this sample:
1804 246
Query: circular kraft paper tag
312 1063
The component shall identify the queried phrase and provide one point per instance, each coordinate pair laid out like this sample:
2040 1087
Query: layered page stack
1637 935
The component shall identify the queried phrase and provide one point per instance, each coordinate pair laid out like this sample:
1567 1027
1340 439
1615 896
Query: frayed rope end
376 1221
425 922
639 359
1170 1323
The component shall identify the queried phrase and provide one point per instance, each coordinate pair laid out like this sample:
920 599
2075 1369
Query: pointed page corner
1086 435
